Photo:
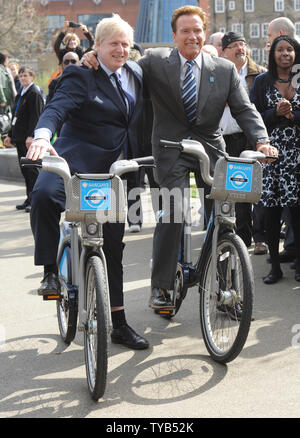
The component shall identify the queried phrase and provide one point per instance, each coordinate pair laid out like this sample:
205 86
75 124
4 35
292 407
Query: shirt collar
108 71
198 60
244 69
27 88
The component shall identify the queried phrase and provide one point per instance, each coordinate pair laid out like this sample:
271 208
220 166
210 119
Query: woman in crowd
14 68
276 95
71 41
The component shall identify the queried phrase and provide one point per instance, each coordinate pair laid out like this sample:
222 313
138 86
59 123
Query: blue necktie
189 93
126 97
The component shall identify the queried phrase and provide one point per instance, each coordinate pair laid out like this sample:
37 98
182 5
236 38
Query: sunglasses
68 61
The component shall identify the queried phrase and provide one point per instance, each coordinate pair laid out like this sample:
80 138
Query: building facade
154 19
251 18
88 12
151 19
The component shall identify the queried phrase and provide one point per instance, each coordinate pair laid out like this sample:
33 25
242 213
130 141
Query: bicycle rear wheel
66 305
225 313
96 330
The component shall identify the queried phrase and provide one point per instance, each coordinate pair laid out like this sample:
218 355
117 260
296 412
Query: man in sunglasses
70 58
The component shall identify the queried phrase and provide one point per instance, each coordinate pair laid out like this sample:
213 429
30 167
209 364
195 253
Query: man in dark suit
216 82
28 106
101 126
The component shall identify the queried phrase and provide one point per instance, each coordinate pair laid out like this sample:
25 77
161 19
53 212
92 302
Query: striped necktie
189 93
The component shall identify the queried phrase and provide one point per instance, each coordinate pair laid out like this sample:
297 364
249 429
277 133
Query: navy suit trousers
47 204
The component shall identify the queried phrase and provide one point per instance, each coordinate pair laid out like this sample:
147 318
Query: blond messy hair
69 36
111 26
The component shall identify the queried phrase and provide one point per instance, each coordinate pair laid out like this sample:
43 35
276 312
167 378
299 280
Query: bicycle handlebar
195 148
60 166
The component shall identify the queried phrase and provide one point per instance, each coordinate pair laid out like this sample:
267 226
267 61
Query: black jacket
60 52
258 97
26 114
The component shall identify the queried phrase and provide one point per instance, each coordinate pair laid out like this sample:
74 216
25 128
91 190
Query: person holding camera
71 40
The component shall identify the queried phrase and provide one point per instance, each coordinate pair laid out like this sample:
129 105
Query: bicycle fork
224 217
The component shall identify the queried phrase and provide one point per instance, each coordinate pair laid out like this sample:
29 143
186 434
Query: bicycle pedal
51 297
165 311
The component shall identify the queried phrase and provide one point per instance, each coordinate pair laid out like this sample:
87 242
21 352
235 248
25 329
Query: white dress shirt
228 123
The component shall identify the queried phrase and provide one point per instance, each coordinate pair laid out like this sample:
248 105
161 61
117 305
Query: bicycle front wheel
66 305
226 301
96 330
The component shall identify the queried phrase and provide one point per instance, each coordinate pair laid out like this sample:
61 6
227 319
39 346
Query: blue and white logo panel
239 177
95 195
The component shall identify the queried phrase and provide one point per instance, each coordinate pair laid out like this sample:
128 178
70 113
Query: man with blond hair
101 113
213 82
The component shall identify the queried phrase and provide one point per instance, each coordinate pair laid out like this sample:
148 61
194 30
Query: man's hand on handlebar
39 148
268 150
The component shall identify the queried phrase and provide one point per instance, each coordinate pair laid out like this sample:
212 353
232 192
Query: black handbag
5 123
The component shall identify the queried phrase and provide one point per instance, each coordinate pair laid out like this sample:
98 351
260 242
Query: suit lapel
172 69
135 70
104 84
206 82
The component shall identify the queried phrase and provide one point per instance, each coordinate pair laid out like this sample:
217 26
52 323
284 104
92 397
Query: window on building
264 56
279 5
219 6
297 25
91 20
231 5
297 5
237 27
55 22
254 30
264 30
248 5
255 55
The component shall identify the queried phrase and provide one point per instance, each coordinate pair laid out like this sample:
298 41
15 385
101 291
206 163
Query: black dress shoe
28 209
273 277
23 206
160 299
125 335
50 285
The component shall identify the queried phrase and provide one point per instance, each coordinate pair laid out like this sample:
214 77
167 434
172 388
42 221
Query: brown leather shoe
160 299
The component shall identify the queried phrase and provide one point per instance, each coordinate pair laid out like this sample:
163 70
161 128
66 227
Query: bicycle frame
223 214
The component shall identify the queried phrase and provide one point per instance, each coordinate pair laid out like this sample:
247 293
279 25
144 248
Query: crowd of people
120 102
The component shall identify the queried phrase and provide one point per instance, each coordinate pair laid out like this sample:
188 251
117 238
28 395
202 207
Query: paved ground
175 378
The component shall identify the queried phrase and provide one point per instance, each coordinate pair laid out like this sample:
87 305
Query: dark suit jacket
28 113
97 127
219 84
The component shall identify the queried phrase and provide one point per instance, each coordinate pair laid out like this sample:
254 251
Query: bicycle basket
237 180
99 195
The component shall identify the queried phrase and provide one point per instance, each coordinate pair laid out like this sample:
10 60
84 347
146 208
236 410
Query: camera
73 24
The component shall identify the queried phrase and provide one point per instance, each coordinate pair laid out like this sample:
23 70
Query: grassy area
42 79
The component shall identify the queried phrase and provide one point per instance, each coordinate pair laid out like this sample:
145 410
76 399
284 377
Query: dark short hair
272 66
188 10
27 69
3 57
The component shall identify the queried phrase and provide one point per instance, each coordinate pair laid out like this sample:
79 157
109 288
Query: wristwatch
263 140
